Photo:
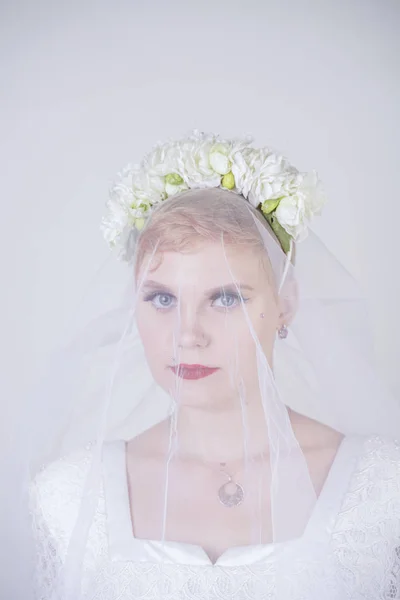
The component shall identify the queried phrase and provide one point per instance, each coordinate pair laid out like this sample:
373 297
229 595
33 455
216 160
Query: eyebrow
230 286
149 284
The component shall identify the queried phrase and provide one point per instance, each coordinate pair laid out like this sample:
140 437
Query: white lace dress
348 550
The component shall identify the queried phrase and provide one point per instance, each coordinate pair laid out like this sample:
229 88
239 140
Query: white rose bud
228 181
219 159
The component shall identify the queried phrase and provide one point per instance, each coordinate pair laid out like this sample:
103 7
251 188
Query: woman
224 403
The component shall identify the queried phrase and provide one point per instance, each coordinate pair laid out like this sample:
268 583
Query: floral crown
287 198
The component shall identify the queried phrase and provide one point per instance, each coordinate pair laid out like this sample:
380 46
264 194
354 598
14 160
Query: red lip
193 371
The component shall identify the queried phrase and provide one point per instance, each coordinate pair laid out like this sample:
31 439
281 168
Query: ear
288 302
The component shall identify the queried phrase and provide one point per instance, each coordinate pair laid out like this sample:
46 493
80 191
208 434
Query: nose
190 332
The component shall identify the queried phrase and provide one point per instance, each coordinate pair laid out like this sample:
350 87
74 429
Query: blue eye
226 300
161 300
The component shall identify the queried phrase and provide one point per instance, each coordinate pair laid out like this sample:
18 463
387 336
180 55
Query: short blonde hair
197 216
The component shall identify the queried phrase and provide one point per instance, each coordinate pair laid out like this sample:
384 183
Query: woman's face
194 313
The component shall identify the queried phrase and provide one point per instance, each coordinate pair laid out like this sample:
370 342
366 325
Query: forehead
210 265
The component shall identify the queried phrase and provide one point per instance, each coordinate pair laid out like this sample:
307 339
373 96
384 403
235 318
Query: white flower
254 170
242 172
163 159
113 224
120 199
311 186
271 179
121 191
296 209
198 172
148 188
291 214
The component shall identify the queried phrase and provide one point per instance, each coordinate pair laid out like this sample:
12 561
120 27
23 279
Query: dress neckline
123 546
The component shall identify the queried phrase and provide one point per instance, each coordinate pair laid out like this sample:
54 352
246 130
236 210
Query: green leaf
139 224
282 235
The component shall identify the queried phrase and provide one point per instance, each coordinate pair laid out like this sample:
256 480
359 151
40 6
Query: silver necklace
230 493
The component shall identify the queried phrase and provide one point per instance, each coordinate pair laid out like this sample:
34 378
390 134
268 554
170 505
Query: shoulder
380 451
376 474
68 473
380 461
57 491
55 494
63 477
371 493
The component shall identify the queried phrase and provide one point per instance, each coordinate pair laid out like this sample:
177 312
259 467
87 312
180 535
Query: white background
87 87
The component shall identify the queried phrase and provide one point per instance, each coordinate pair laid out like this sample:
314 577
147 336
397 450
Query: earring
262 315
283 332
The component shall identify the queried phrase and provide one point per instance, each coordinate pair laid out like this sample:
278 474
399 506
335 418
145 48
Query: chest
187 507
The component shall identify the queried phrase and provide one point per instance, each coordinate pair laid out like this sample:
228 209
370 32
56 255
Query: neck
221 435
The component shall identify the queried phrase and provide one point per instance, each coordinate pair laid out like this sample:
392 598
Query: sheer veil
212 320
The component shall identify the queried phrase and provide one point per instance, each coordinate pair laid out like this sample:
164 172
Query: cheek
240 339
152 333
264 323
266 332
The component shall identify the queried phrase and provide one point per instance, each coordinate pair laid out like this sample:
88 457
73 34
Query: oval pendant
231 496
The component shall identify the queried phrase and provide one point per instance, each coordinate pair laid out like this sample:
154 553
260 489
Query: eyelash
151 297
238 298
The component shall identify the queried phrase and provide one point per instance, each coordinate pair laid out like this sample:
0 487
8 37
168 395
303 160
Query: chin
193 391
204 393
